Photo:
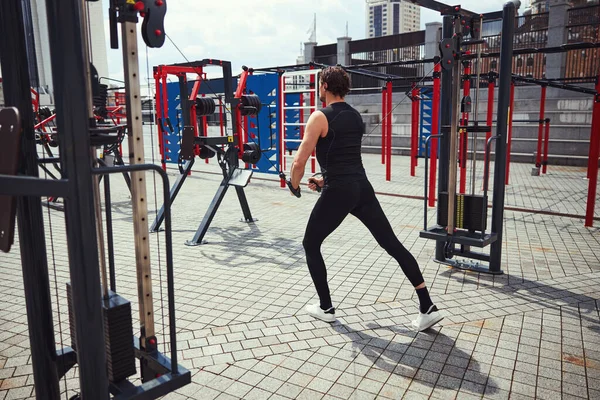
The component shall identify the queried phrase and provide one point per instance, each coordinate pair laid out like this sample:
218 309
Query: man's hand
314 183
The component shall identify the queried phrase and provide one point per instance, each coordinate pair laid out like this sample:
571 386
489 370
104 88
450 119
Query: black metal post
446 118
506 56
109 233
16 86
69 63
184 101
160 216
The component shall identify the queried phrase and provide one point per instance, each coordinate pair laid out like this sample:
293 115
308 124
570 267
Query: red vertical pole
388 166
510 126
414 138
301 110
464 137
490 109
383 124
593 159
165 110
538 156
313 108
546 142
280 128
435 126
158 110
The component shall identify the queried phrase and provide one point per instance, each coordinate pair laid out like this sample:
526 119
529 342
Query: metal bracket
10 135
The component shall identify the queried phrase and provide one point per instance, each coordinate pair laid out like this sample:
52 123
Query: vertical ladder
295 91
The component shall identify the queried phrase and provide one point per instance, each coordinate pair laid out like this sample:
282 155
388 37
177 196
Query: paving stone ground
533 332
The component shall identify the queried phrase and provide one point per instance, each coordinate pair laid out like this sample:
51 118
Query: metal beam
138 189
16 88
69 64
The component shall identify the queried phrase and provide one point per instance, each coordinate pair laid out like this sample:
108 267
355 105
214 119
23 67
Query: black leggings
356 198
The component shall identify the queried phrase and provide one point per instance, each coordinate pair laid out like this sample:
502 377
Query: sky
262 33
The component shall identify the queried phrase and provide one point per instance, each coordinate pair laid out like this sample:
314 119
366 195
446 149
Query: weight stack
118 335
470 212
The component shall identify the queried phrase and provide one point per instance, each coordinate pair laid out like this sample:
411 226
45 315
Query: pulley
251 105
205 153
205 106
251 153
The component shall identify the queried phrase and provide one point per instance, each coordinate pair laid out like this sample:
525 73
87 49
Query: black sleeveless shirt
339 152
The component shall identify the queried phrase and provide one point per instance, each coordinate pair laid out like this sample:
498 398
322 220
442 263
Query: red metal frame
464 136
490 112
280 128
546 142
435 117
538 156
238 111
510 126
414 137
388 166
383 124
593 158
313 104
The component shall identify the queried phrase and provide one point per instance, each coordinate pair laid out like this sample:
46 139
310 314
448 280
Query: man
336 131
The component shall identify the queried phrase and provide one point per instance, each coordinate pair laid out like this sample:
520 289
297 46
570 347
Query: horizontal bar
298 108
31 186
296 91
563 86
544 50
275 69
49 160
303 72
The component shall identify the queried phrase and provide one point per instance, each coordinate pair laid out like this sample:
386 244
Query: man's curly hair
337 80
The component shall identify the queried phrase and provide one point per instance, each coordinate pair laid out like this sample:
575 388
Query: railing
583 26
326 54
531 32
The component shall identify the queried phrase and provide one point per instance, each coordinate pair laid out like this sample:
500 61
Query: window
396 18
378 22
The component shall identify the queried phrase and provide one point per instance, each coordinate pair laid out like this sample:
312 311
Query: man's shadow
429 358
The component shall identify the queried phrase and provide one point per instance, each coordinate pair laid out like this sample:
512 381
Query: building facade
39 25
390 17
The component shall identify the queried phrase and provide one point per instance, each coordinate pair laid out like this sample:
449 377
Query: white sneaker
316 311
427 320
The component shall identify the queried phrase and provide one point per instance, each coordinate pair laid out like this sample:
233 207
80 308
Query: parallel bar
508 32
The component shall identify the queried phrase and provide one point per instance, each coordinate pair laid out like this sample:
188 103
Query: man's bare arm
315 127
